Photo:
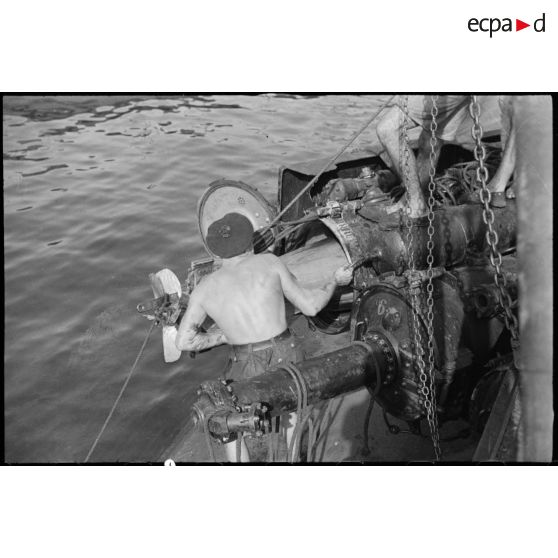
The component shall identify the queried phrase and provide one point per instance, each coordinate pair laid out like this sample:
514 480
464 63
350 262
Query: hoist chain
504 298
426 388
430 402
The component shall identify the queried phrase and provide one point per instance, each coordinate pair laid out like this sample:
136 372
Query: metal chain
430 401
425 387
504 298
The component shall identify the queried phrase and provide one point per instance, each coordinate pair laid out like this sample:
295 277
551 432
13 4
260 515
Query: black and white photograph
278 278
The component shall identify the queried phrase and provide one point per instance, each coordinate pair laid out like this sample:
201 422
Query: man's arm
311 301
189 337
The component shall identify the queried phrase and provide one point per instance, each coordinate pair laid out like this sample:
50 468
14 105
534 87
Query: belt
261 345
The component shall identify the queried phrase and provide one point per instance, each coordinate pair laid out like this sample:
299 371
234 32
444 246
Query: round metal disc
230 196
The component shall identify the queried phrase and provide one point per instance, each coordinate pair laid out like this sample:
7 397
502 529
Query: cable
302 402
120 394
294 446
301 423
373 394
326 414
305 411
290 229
319 422
298 402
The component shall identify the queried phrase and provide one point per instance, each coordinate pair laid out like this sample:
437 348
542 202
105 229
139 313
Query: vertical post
532 120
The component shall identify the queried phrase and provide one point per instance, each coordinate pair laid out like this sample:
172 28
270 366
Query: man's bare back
245 298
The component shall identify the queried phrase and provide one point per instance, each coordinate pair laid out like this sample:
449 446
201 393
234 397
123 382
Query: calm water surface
98 193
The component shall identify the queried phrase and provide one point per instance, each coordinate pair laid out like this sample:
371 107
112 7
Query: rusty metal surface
326 376
459 231
387 310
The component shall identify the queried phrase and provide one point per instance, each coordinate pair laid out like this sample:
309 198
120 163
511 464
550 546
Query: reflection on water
99 192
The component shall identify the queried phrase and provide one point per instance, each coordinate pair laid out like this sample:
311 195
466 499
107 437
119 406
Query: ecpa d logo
494 24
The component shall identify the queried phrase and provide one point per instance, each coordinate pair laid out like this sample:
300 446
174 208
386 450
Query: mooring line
109 416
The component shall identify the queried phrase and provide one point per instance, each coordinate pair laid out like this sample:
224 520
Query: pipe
314 263
326 377
247 405
457 231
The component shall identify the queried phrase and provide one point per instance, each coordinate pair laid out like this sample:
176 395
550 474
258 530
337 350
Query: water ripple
117 201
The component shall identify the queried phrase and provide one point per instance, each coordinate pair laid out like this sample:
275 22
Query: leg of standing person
388 133
423 158
284 351
507 165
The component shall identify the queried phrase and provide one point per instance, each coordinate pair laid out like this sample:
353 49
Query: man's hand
343 275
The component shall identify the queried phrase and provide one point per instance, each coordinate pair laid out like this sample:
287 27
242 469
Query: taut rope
109 416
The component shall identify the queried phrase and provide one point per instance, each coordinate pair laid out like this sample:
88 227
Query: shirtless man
245 298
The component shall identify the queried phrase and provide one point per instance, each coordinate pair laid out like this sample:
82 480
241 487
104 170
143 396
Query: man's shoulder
268 256
269 260
205 282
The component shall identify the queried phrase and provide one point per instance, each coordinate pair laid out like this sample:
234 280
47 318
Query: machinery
423 321
339 222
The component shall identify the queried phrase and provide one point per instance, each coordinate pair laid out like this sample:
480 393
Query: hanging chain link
425 380
430 402
504 298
